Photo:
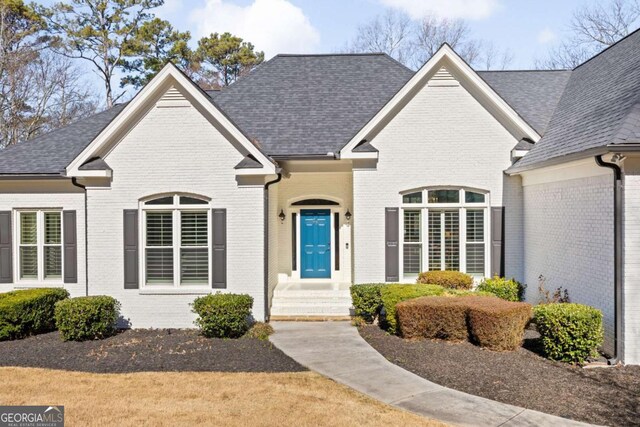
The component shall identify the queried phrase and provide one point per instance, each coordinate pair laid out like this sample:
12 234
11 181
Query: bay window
452 224
177 249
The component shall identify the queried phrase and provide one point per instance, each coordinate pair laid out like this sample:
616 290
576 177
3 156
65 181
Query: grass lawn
198 398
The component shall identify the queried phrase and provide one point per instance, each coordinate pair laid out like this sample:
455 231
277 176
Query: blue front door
315 244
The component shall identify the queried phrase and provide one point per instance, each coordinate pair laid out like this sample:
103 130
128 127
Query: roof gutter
75 182
617 255
266 243
633 147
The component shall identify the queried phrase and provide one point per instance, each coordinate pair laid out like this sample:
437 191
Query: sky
528 28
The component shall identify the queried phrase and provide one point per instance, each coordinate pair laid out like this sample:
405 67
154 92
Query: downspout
266 244
617 255
75 182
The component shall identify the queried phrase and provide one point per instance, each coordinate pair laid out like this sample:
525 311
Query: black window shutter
497 237
6 272
131 249
392 249
219 248
70 244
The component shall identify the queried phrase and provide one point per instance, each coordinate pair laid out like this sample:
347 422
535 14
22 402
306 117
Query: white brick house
315 172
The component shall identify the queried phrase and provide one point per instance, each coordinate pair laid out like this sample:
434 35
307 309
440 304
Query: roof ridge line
608 47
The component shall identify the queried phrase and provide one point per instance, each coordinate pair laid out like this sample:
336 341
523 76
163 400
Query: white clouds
274 26
453 9
546 36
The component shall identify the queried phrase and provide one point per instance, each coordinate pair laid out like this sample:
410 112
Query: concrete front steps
311 301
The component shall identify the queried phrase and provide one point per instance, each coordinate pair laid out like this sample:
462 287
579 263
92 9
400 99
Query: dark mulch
137 350
608 396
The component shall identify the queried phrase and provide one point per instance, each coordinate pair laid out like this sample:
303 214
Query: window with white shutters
39 245
450 224
177 241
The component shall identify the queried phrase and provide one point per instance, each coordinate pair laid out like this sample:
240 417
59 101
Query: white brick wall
174 150
568 238
631 295
443 136
46 195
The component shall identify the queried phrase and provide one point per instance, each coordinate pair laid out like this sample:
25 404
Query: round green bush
87 318
507 289
569 332
446 279
223 315
367 300
28 312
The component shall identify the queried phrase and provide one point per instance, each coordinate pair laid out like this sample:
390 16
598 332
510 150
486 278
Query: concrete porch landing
336 350
311 300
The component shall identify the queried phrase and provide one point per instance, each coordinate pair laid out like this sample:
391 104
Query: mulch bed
138 350
607 396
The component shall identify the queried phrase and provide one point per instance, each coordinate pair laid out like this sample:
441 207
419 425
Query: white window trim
462 207
175 208
40 280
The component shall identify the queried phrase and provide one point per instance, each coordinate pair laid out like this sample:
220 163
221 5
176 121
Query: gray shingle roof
311 104
598 107
533 94
52 152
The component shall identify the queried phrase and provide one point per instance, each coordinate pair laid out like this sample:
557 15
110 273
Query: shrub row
488 321
370 299
507 289
446 279
391 295
87 318
28 312
569 332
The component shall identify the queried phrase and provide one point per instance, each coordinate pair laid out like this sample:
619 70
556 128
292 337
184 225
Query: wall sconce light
282 216
347 215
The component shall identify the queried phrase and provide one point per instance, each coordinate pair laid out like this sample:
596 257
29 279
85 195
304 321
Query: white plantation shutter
412 248
159 247
475 241
194 249
52 245
28 245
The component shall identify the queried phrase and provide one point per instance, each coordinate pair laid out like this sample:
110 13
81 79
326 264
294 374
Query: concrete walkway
336 350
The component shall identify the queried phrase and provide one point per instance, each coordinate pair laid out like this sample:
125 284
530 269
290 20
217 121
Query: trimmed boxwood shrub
367 300
223 315
497 324
433 317
87 318
507 289
28 312
446 279
391 295
569 332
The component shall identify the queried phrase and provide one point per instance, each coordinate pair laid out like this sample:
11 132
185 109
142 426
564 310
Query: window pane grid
448 246
452 240
412 249
475 241
40 245
194 253
159 265
435 241
177 243
28 228
159 229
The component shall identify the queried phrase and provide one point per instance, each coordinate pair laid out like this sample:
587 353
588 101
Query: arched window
445 228
177 247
